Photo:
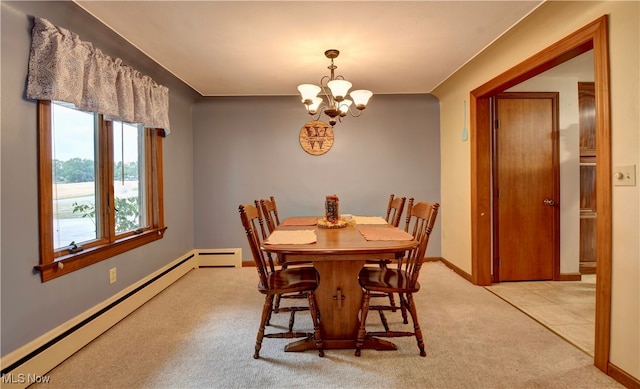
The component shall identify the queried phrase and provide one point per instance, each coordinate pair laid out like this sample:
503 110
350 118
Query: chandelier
335 89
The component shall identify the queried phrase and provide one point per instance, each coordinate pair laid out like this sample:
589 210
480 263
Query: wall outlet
112 275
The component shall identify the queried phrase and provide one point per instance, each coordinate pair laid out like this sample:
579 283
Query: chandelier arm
324 80
327 93
357 113
319 110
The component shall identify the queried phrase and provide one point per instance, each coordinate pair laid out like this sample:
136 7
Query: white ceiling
236 48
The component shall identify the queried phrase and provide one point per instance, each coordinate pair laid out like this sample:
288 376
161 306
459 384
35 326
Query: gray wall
227 151
30 308
248 148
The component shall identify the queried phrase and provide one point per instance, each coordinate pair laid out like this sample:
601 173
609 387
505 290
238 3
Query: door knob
548 202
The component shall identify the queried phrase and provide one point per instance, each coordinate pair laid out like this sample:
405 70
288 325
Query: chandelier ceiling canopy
335 90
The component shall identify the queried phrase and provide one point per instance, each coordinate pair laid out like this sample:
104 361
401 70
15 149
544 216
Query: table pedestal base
370 343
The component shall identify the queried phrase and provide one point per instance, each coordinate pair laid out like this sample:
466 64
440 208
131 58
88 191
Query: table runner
292 237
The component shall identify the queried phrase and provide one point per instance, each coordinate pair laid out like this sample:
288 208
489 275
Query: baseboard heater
46 352
219 257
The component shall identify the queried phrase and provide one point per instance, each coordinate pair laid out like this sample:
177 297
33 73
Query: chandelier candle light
335 89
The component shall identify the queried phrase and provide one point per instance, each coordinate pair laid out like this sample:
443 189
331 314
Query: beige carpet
200 333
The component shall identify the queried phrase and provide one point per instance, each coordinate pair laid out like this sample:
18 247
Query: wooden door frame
592 36
555 138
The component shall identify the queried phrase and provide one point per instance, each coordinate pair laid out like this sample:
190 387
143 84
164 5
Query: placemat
292 237
384 233
300 221
369 220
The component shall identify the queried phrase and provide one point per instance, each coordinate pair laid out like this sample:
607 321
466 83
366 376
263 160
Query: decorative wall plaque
316 137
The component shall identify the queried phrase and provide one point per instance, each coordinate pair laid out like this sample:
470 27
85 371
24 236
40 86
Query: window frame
57 262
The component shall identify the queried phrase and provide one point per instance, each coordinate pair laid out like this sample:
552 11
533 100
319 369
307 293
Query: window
100 185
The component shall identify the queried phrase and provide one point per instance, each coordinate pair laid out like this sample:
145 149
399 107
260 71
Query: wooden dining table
338 255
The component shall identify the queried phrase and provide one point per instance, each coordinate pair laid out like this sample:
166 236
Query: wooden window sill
71 262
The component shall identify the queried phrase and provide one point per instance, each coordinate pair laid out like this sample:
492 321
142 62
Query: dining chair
402 280
259 219
273 282
270 212
392 307
395 207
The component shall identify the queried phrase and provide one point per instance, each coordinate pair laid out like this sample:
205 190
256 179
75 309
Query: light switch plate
624 175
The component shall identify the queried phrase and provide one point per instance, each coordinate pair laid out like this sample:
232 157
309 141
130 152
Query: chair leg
268 322
266 312
292 319
383 319
276 305
392 302
416 327
316 323
403 308
363 318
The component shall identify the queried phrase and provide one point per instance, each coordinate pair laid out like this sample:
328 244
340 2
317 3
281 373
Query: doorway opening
593 36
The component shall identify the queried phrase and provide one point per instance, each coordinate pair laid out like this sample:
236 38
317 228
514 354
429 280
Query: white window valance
64 68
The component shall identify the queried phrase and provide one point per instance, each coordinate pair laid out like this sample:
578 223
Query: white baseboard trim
219 257
30 363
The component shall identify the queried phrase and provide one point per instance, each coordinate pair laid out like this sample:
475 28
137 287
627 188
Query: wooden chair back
420 220
408 215
394 210
270 213
256 234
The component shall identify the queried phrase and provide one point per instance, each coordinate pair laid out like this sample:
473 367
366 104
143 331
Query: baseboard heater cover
43 354
220 257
